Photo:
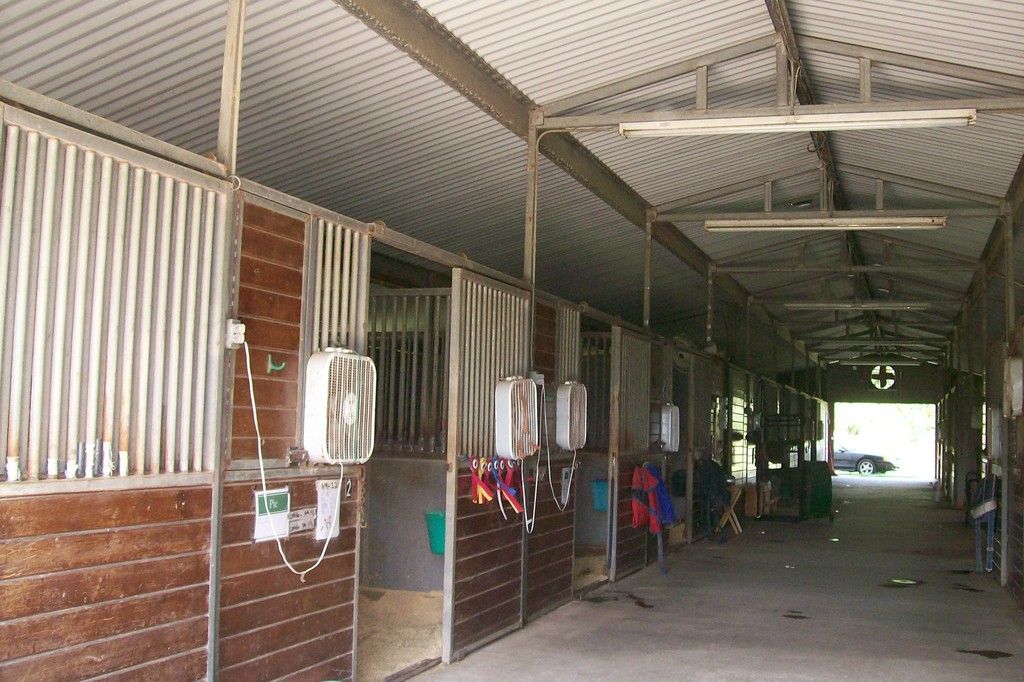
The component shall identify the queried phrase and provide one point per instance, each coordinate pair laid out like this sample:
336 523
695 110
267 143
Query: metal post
708 340
701 74
747 332
230 87
1004 554
690 424
865 80
781 75
648 238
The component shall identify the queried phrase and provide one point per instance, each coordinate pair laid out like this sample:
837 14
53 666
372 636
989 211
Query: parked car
862 462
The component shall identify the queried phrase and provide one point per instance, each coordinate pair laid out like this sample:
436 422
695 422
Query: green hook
274 367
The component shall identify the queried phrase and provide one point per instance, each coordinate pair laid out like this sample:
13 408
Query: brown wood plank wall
550 546
101 583
488 569
271 623
630 543
270 305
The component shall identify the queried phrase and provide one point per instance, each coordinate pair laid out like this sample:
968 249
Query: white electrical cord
547 447
263 480
530 521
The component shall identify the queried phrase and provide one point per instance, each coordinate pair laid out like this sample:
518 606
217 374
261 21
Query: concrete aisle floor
785 602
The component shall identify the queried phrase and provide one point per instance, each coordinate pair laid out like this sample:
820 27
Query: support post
530 228
648 244
865 80
709 324
747 331
701 74
781 75
690 424
1004 554
230 87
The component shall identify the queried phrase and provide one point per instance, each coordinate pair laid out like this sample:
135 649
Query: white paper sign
271 514
326 509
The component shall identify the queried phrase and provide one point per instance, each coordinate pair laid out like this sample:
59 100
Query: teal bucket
435 530
599 490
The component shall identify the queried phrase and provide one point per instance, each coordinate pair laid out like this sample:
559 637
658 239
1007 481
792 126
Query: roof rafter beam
933 66
416 32
925 185
738 186
659 74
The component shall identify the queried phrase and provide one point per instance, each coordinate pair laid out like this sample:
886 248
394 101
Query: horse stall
402 544
591 527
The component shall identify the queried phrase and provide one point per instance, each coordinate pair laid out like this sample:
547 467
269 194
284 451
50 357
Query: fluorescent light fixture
793 123
857 305
793 224
872 362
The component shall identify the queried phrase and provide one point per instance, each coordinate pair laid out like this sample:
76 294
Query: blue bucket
599 490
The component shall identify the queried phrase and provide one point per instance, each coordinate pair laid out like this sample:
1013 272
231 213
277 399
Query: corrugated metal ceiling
333 113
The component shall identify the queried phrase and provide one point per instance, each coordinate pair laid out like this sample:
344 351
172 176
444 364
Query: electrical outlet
234 335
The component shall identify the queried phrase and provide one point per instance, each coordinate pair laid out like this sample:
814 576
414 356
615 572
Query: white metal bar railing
112 269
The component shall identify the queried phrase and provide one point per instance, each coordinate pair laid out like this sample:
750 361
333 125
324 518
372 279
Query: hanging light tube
797 224
857 305
792 123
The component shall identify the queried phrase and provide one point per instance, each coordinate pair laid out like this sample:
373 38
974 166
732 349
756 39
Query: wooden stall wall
549 548
271 623
484 552
631 401
105 583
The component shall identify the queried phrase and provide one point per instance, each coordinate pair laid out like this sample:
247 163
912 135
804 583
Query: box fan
516 435
340 407
668 427
571 416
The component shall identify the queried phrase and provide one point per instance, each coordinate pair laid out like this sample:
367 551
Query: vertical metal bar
222 299
823 202
746 327
100 304
701 76
768 202
879 194
403 353
189 349
318 279
142 369
709 322
10 175
86 234
452 447
173 422
43 274
781 75
530 229
158 361
865 80
648 238
347 274
231 86
364 291
133 321
21 309
415 394
212 228
339 287
114 329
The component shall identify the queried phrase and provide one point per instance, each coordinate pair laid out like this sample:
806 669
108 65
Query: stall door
483 585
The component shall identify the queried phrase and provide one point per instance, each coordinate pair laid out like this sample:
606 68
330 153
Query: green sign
272 502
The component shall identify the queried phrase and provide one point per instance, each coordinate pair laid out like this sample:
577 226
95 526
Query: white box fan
340 407
516 435
571 416
668 434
